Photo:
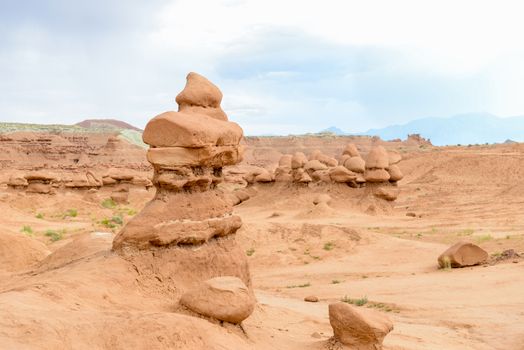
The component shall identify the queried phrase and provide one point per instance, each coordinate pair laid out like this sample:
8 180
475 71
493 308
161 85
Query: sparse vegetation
466 232
113 222
250 251
447 263
357 302
300 285
39 216
336 282
55 235
73 213
484 238
108 203
329 246
27 230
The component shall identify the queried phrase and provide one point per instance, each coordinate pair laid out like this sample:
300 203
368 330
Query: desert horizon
278 175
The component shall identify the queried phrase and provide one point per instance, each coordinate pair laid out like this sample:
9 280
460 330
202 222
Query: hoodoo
186 232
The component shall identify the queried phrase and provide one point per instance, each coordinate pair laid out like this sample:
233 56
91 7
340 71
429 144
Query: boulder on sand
224 298
341 174
360 329
314 165
387 193
462 254
376 175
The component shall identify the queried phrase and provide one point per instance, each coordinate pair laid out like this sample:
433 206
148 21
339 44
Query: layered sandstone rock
224 298
462 254
358 328
185 234
41 182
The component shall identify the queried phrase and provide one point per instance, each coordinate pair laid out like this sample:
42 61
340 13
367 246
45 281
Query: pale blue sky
284 66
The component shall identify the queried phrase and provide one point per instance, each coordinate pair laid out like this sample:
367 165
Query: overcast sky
284 66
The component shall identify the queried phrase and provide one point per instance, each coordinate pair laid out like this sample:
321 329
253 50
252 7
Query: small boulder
224 298
311 299
394 173
377 158
360 329
389 194
315 165
298 160
376 175
341 174
355 164
328 161
462 254
264 176
301 176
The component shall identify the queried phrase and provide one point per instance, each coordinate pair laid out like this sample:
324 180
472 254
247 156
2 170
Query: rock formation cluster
47 182
379 170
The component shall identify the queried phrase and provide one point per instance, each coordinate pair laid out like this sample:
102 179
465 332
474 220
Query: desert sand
83 266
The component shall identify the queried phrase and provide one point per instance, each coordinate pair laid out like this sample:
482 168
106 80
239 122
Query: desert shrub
300 285
250 251
73 213
358 302
484 238
112 222
329 246
54 235
108 203
335 282
39 216
26 229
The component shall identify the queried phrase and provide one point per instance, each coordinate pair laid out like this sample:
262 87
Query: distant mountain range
464 129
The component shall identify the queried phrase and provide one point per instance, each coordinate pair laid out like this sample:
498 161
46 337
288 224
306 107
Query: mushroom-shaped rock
351 150
341 174
355 164
377 158
298 160
224 298
394 157
389 193
343 158
394 173
376 175
360 329
201 96
462 254
314 165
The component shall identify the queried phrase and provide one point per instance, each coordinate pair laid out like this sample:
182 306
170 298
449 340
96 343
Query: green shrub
71 213
39 216
358 302
329 246
26 229
55 235
300 285
250 251
108 203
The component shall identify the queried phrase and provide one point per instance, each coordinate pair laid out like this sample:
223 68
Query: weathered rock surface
358 328
355 164
341 174
351 150
224 298
376 175
298 160
394 173
377 158
462 254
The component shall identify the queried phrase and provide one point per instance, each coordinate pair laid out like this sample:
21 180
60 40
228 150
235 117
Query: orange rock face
462 254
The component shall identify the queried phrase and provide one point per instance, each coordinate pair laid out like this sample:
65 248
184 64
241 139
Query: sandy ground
84 296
